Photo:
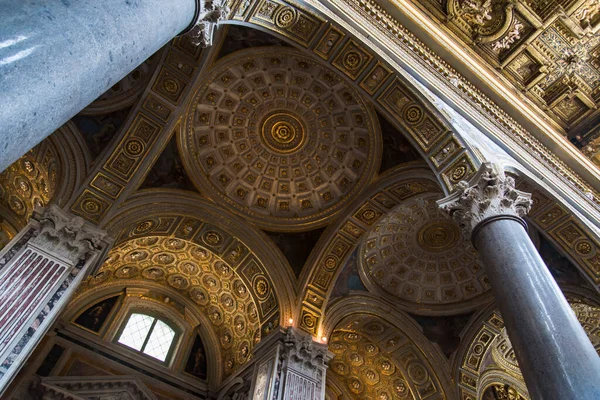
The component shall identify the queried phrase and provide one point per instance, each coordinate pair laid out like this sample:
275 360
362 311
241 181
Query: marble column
556 358
40 269
290 365
56 57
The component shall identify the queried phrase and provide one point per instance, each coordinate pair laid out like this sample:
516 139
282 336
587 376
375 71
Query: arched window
148 335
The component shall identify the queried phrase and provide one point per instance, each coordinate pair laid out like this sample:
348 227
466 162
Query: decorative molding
65 235
489 193
210 14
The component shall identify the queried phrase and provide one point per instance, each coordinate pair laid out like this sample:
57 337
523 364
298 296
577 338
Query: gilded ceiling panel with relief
418 256
546 48
375 360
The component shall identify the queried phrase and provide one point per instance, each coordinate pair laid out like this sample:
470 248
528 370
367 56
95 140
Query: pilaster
40 269
290 366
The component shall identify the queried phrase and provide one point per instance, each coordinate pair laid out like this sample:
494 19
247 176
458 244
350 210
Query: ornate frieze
489 193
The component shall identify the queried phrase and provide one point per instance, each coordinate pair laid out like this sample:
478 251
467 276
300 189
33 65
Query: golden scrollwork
280 138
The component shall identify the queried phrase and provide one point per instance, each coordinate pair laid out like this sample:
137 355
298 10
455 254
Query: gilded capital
490 193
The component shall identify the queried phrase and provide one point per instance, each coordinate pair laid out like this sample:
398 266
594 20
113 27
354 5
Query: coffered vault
281 129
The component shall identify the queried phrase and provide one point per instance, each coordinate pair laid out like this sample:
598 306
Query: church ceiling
294 147
234 306
418 256
281 139
549 50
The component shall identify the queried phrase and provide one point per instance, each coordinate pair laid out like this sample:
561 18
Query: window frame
156 316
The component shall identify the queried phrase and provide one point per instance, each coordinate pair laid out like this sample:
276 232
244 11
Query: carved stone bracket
65 235
490 193
210 13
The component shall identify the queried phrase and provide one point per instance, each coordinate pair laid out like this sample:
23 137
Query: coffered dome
282 139
419 256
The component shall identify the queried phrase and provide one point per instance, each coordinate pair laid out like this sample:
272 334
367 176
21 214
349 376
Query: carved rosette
490 193
66 236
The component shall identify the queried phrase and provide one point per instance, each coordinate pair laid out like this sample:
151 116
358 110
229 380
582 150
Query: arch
473 356
339 240
180 308
421 365
175 206
75 160
447 153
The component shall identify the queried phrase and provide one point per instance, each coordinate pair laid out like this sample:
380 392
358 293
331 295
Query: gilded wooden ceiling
549 50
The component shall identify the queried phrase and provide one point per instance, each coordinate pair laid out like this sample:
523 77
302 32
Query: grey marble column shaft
56 57
555 355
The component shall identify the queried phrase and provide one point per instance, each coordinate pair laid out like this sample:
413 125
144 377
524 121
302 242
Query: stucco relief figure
476 12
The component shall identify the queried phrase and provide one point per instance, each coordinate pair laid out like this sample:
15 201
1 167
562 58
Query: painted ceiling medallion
283 140
420 257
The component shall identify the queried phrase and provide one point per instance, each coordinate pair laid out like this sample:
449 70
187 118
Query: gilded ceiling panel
375 360
220 291
547 49
280 138
30 182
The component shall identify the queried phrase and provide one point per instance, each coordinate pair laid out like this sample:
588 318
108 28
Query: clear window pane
160 341
136 330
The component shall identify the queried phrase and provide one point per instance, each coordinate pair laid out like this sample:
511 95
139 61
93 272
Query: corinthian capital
210 13
488 194
66 235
